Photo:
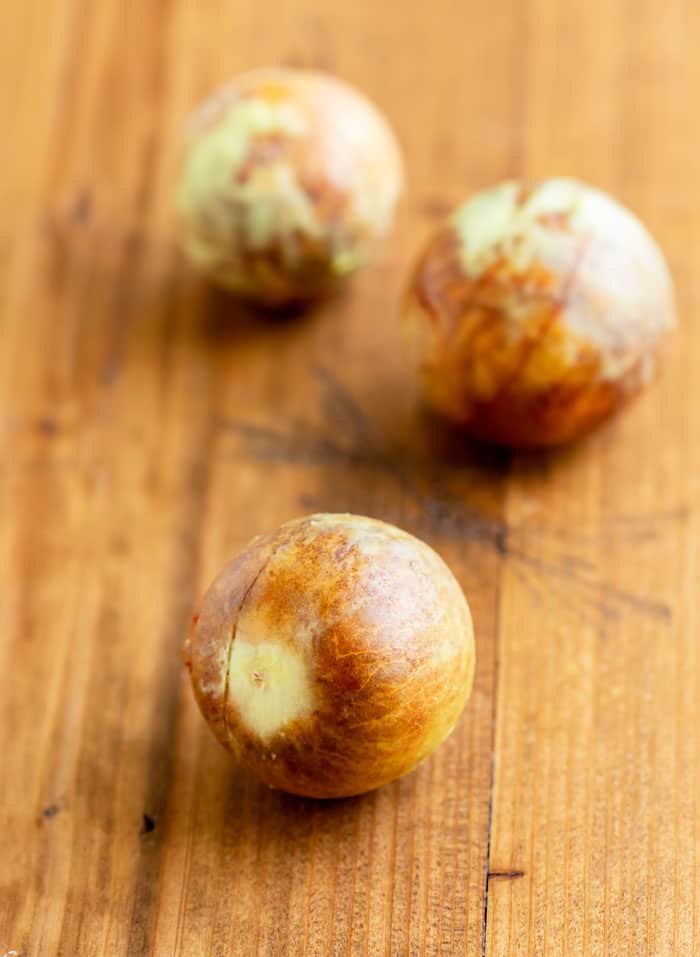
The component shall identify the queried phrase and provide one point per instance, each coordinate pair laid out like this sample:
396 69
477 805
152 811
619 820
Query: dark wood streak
82 209
166 699
504 875
121 312
435 207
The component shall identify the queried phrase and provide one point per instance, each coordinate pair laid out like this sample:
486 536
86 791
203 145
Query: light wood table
149 427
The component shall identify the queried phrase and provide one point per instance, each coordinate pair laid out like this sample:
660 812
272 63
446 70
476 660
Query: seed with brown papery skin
332 655
289 181
537 311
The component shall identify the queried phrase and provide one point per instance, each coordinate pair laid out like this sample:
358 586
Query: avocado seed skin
288 183
536 311
333 655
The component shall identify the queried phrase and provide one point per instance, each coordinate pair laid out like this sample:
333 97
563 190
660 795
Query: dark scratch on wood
608 595
623 529
504 875
347 438
341 407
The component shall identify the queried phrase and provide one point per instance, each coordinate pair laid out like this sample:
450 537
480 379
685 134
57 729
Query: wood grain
149 426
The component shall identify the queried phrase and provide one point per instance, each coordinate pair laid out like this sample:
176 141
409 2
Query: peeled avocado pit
289 179
536 311
333 655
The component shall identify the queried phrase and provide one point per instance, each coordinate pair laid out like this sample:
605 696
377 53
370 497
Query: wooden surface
149 427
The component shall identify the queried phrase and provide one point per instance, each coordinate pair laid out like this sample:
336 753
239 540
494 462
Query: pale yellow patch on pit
482 223
495 224
214 157
619 309
218 211
268 685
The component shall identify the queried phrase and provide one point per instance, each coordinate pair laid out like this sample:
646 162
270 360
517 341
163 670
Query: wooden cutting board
150 427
